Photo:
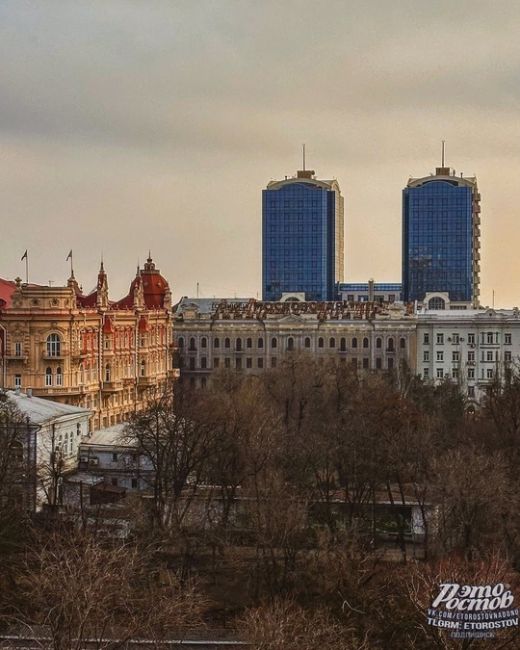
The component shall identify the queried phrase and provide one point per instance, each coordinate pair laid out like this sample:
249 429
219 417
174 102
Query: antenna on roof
443 147
303 147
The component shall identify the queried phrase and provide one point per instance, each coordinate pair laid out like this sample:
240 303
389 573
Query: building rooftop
7 288
41 411
251 309
112 436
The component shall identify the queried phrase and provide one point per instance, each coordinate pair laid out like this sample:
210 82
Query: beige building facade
251 336
86 350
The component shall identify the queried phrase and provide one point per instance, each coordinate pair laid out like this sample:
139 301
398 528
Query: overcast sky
137 124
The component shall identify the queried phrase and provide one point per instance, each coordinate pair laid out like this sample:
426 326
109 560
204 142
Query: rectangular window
489 355
471 373
507 339
18 349
455 373
114 458
471 355
455 356
507 355
273 362
426 338
440 373
440 339
455 339
260 363
471 339
379 363
426 355
366 363
238 364
490 338
135 483
227 362
249 362
489 373
440 356
18 381
216 363
471 391
426 373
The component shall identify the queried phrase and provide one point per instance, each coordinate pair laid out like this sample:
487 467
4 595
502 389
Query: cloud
126 124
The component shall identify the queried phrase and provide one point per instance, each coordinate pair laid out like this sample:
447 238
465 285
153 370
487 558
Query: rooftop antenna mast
303 147
443 148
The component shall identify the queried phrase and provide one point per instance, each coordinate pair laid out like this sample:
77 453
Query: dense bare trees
300 498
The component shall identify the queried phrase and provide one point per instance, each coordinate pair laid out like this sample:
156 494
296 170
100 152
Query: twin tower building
303 242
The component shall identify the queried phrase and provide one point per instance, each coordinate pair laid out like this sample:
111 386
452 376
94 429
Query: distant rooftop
190 308
41 411
112 436
363 286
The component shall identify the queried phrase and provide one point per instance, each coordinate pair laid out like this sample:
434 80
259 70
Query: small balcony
146 382
112 386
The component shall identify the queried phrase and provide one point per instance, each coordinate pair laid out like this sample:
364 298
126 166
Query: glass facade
439 238
302 221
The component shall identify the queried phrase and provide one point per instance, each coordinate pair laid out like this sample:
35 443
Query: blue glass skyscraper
441 238
302 237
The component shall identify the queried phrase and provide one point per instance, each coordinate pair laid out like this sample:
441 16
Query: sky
147 124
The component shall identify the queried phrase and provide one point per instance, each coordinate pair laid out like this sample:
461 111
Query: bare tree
77 588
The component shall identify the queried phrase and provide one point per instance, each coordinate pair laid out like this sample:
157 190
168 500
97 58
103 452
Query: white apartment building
468 346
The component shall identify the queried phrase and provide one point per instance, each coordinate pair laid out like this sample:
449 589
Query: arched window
354 342
274 342
107 372
290 343
59 377
365 342
216 342
48 377
260 342
227 342
402 343
343 344
203 342
53 345
81 373
332 342
249 343
143 368
379 342
436 303
391 344
320 342
238 344
192 343
181 341
307 342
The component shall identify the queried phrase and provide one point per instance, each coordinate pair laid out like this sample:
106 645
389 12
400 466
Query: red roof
7 288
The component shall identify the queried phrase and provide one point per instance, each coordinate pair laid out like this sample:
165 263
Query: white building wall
470 346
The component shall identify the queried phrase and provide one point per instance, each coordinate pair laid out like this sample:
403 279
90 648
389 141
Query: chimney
371 290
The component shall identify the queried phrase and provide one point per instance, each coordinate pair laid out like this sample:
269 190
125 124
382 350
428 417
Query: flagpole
26 268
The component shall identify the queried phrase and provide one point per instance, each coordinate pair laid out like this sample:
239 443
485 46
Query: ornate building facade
87 350
251 336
